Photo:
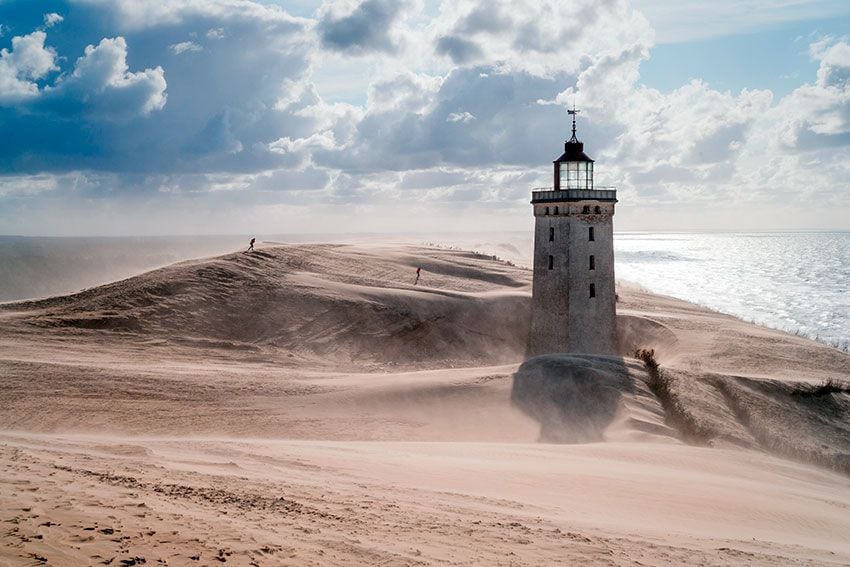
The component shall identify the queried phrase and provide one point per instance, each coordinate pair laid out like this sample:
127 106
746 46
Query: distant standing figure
251 245
418 270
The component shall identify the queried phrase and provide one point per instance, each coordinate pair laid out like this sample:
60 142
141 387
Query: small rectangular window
551 234
592 290
592 263
551 262
590 234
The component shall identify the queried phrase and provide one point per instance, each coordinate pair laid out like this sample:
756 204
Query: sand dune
321 302
310 405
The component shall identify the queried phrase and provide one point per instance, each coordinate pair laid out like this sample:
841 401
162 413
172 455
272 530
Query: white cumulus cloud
52 19
101 77
28 61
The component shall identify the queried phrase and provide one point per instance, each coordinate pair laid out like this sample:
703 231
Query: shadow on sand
575 397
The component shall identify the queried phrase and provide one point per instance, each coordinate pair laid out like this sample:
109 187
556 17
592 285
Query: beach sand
308 405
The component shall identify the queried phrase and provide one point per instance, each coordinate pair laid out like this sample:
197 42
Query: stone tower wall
564 316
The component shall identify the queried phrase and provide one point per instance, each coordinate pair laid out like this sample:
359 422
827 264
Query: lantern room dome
573 151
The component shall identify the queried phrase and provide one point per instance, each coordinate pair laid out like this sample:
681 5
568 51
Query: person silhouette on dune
251 245
418 270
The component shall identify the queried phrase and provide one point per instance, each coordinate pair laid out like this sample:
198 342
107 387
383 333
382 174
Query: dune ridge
315 301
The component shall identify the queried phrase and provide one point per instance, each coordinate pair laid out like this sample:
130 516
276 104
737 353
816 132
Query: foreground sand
75 499
309 405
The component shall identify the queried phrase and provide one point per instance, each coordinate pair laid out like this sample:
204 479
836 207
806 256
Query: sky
120 117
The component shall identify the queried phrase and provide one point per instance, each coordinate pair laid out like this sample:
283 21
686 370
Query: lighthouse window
592 290
547 211
551 262
556 210
551 234
585 209
590 234
597 210
575 175
592 263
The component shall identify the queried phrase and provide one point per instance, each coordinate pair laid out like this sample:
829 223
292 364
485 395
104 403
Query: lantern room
574 169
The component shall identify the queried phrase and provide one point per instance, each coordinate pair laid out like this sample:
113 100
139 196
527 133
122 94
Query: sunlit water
794 281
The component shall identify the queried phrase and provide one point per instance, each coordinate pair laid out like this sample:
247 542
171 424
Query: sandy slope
309 405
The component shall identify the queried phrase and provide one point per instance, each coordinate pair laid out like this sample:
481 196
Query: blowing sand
308 405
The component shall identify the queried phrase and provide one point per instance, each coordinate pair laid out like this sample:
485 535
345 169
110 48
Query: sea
794 281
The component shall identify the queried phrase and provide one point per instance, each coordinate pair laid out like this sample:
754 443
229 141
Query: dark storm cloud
459 49
366 29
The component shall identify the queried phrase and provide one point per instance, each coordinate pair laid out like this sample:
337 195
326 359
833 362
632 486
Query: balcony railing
544 194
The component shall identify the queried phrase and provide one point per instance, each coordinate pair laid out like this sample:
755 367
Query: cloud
502 108
185 46
459 49
414 91
130 16
491 18
308 179
102 83
52 19
834 70
217 110
220 109
460 117
818 48
215 137
366 29
484 111
509 128
430 178
814 116
28 61
699 145
540 37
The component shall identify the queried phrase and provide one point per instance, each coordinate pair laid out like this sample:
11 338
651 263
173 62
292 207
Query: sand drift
246 359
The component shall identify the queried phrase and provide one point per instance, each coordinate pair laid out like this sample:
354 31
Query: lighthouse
573 296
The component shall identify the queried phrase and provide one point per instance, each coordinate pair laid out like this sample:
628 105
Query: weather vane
573 112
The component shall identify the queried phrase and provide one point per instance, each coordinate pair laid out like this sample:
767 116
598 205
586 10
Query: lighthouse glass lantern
576 174
574 169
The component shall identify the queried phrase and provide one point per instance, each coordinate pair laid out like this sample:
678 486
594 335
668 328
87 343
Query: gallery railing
542 194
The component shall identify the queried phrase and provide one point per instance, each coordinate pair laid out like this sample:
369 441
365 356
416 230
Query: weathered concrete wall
564 316
550 295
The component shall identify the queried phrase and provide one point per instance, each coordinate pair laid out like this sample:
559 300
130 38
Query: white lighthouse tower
573 298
